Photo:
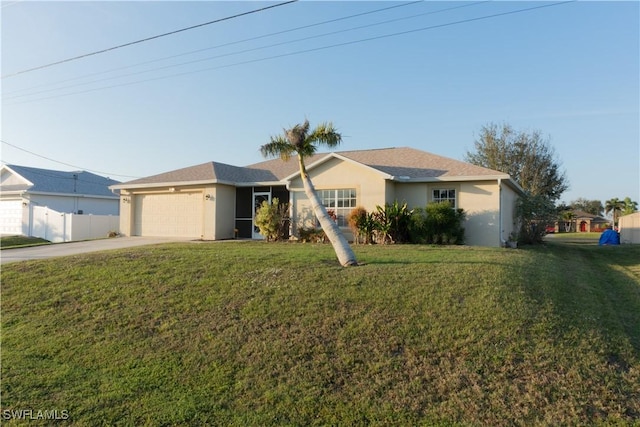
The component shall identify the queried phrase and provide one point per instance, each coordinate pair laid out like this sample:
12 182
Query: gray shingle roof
53 181
404 162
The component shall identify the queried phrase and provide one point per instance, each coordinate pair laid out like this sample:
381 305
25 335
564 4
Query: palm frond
325 134
278 147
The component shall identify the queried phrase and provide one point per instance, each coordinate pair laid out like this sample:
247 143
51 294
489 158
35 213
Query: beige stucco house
214 201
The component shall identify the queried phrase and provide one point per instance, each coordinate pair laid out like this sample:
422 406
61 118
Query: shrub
361 224
312 235
391 223
438 223
272 219
534 211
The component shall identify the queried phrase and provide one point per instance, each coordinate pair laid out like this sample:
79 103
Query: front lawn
250 333
7 242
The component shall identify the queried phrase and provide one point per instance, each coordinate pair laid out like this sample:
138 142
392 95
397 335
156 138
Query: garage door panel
11 217
170 215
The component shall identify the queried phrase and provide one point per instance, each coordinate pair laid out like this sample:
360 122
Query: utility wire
214 47
244 51
63 163
149 38
432 27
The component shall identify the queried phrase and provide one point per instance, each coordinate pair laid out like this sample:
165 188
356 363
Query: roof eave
261 183
126 186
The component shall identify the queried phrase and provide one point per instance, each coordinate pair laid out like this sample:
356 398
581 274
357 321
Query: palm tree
302 141
568 217
615 206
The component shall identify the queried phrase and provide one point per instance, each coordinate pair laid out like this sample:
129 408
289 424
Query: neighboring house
215 201
586 222
23 189
629 226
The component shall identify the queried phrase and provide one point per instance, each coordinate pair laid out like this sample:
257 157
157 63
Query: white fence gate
57 226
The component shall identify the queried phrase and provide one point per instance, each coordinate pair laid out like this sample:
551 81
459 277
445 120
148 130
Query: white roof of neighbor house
36 180
406 163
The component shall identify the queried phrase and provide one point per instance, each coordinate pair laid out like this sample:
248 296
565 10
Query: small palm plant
303 142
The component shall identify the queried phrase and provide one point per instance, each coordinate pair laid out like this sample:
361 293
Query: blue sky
569 70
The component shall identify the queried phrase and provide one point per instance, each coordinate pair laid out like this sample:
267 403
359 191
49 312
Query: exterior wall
481 203
371 190
629 226
481 200
414 194
126 213
217 209
508 208
223 206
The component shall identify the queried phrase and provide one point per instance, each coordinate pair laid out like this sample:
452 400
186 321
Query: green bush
362 225
312 235
391 223
438 223
272 219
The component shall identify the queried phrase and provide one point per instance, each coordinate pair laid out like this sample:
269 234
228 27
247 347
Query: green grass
277 334
7 242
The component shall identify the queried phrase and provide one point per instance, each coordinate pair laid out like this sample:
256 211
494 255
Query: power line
149 38
63 163
347 43
214 47
255 48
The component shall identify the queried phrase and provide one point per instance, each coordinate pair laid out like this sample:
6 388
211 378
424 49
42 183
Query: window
341 202
445 195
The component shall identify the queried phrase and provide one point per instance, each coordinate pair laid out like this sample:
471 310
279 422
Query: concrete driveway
73 248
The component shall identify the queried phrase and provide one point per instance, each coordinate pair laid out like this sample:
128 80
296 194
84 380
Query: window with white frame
340 201
445 195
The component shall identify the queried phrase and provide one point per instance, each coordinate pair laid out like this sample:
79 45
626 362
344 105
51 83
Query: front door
258 198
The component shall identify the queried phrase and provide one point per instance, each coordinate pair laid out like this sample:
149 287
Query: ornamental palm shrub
391 223
438 223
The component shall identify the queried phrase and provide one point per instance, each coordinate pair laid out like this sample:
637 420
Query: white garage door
11 217
168 215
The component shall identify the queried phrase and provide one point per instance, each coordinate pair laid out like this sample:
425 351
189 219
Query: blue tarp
609 237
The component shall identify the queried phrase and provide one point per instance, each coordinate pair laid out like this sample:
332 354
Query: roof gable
36 180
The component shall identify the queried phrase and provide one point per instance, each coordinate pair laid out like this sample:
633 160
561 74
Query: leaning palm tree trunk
343 251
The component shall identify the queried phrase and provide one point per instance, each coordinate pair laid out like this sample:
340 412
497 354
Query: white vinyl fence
57 226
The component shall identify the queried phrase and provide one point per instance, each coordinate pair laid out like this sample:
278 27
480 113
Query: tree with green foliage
303 141
528 158
629 206
535 213
593 207
614 206
567 218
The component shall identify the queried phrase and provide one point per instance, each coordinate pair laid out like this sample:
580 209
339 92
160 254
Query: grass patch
232 333
8 242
